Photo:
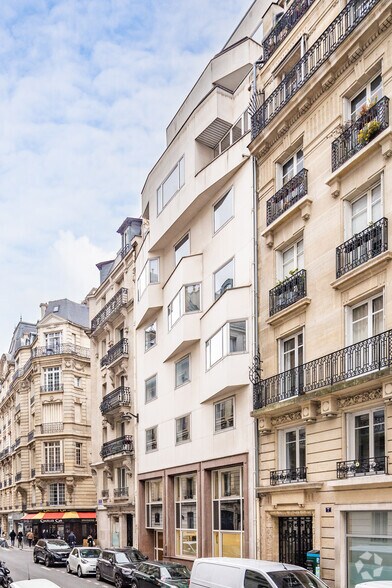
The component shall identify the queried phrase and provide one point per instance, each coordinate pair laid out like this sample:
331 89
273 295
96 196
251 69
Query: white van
227 572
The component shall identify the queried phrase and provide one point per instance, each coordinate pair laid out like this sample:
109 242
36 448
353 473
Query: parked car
227 572
83 560
117 565
51 552
159 573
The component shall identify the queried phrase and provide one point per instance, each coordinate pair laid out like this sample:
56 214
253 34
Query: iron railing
52 428
364 466
52 388
288 476
359 133
118 300
122 444
60 349
333 36
4 453
287 196
118 350
123 251
366 356
50 468
119 397
120 492
30 436
18 476
17 442
288 292
361 247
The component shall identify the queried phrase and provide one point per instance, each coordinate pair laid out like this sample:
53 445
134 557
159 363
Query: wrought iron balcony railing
287 196
333 36
115 352
120 492
32 473
361 247
30 436
120 445
52 428
366 356
119 397
18 476
51 468
288 476
288 292
17 442
359 133
52 388
123 251
364 466
118 300
61 349
4 453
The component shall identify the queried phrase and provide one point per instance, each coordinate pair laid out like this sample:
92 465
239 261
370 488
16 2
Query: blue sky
87 88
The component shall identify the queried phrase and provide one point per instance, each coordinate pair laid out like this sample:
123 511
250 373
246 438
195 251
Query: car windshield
123 557
57 544
135 555
296 579
90 553
175 573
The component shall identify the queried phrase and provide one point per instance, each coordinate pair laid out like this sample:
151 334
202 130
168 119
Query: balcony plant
368 131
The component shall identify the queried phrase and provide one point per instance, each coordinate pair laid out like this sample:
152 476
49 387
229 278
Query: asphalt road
20 562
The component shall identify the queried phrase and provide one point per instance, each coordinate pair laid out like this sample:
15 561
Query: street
20 562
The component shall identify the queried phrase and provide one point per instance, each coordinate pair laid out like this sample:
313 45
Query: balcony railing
118 350
120 492
32 473
52 388
361 247
61 349
369 355
287 196
358 134
30 436
118 300
123 251
284 26
119 397
105 493
288 476
18 476
288 292
51 468
17 442
120 445
362 467
52 428
333 36
4 453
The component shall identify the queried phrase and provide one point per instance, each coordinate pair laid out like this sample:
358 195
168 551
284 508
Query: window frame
229 192
178 437
370 316
298 259
298 165
181 295
146 275
152 398
218 293
231 427
351 445
367 88
224 332
151 441
181 182
184 382
184 239
348 207
146 331
282 455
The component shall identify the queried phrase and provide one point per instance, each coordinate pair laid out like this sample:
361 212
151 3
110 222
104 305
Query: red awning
45 516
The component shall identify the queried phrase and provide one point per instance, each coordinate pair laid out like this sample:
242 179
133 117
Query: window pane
237 336
357 103
291 442
174 310
182 249
215 348
360 323
183 429
359 215
230 515
154 271
376 203
151 389
224 414
223 210
288 170
192 298
224 279
171 185
182 371
378 316
379 433
376 89
150 336
362 437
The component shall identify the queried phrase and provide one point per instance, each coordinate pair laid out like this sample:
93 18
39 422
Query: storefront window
228 513
186 523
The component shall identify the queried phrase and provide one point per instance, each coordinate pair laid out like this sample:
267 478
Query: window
151 439
224 279
366 441
293 449
150 336
153 494
57 494
182 249
367 96
291 358
224 415
183 429
172 184
149 275
52 412
151 388
52 457
223 210
228 513
121 478
78 453
239 128
366 319
53 342
78 382
187 300
365 210
290 168
255 580
290 260
183 371
231 338
52 379
185 512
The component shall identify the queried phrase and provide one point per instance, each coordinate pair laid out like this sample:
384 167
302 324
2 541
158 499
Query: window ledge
303 206
359 482
363 271
287 313
295 486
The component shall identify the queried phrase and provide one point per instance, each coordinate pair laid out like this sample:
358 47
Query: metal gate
295 539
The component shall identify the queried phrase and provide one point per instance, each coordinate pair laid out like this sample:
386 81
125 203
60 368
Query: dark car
117 565
51 552
160 573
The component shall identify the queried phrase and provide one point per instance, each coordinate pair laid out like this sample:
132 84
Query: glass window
237 334
231 338
78 453
224 414
186 300
367 319
186 515
153 492
151 388
183 430
366 210
150 336
172 184
57 494
292 167
182 368
149 275
174 310
182 249
53 342
52 379
291 260
368 96
224 279
223 210
228 513
367 436
294 449
151 439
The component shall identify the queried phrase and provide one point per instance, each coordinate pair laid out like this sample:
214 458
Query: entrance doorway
295 539
158 545
130 530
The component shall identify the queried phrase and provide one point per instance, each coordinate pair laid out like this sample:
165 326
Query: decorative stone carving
309 412
286 418
329 407
264 425
359 398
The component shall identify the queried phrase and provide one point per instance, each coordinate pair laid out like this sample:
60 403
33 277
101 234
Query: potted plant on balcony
368 131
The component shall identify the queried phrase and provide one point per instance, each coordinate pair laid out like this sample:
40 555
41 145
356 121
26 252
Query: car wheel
35 558
118 581
134 585
69 569
98 574
47 561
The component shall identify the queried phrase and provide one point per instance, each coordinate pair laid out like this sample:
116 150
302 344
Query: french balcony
18 476
110 309
52 388
362 247
30 436
288 476
52 468
288 292
61 349
119 397
360 133
287 196
369 355
365 466
120 492
119 446
117 351
48 428
334 35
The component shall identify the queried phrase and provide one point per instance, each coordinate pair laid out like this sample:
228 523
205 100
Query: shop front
60 524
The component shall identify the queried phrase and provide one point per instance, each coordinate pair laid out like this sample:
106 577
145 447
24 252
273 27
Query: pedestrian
30 537
90 541
20 540
12 537
72 539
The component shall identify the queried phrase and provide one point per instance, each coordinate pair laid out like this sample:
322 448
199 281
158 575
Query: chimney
43 307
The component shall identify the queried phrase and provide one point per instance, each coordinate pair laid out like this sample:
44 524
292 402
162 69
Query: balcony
120 446
287 196
17 442
361 247
369 355
361 132
47 428
30 436
52 468
110 308
52 388
105 493
362 467
4 453
118 350
288 476
32 473
288 292
334 35
119 397
18 476
120 493
61 349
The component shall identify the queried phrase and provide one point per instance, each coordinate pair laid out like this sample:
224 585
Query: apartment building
322 380
193 319
111 308
45 479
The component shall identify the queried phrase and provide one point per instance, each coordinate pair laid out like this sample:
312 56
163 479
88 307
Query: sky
87 88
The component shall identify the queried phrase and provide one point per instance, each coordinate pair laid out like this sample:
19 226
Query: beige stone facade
322 139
